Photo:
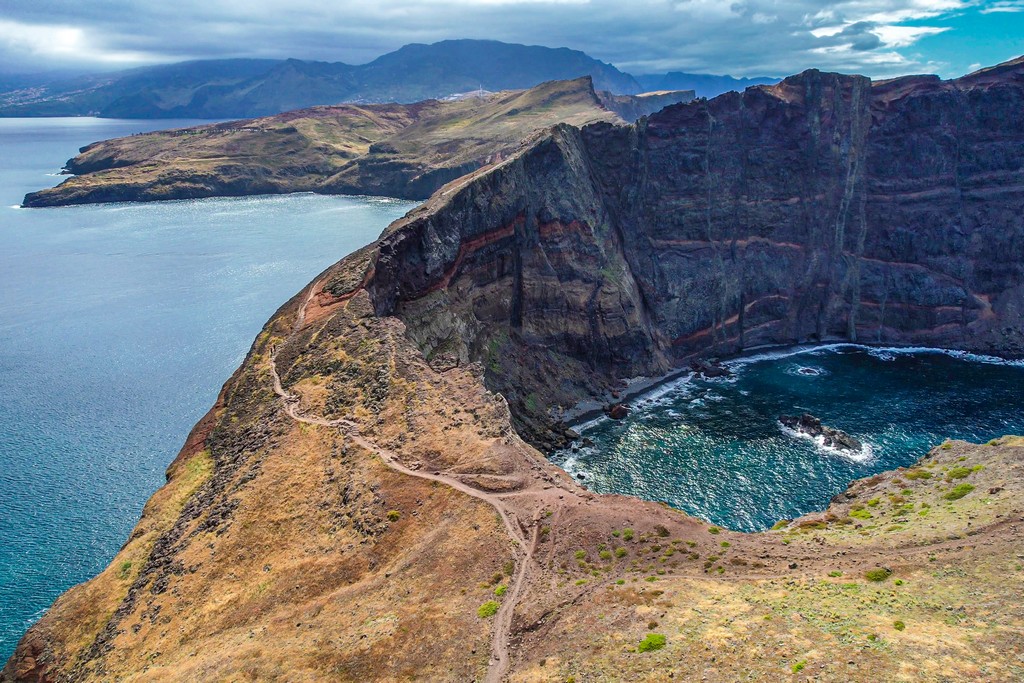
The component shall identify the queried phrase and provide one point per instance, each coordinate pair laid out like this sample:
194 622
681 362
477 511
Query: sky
878 38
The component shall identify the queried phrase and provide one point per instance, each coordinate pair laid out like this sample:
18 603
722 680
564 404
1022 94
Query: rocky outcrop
823 208
831 437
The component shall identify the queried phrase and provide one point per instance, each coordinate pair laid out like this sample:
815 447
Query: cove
118 325
716 450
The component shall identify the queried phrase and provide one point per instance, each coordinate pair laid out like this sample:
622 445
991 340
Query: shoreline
640 387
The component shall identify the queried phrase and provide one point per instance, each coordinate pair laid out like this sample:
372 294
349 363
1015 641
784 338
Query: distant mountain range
241 88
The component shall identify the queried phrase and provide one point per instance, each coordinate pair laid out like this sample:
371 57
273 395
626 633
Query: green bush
621 552
874 502
653 641
860 514
958 491
606 554
714 530
918 474
899 625
958 473
581 554
799 666
835 573
488 609
877 574
780 524
394 515
627 534
500 590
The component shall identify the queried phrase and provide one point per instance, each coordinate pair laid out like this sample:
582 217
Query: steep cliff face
821 208
359 502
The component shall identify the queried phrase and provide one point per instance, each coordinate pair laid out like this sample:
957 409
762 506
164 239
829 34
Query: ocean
118 325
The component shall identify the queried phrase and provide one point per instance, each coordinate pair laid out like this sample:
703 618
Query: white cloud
740 37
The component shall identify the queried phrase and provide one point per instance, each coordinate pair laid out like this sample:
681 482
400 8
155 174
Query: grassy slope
328 149
287 564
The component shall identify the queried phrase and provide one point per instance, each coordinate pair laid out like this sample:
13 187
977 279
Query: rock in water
617 411
812 426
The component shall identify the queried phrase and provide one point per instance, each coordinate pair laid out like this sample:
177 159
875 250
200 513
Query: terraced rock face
360 494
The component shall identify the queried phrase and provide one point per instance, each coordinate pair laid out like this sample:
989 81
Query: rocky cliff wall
823 208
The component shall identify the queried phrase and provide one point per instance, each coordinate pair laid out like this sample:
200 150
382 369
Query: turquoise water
118 325
715 448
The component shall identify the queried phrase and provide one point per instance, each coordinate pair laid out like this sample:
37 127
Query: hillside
392 149
367 501
245 88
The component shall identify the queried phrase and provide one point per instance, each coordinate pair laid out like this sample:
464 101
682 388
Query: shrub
918 474
899 625
581 554
621 552
627 534
661 531
488 609
714 530
606 554
780 524
653 641
860 514
124 570
509 567
877 574
799 666
616 534
835 573
726 544
580 582
394 515
958 473
958 491
874 502
500 590
946 446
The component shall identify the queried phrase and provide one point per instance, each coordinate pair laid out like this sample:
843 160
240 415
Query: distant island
246 88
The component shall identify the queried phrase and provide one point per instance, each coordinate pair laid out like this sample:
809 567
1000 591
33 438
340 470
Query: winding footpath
500 642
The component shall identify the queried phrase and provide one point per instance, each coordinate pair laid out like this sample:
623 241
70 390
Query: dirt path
500 645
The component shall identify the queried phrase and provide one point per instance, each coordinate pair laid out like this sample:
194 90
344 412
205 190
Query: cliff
393 150
361 504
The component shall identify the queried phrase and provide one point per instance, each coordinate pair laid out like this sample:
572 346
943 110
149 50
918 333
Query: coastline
639 388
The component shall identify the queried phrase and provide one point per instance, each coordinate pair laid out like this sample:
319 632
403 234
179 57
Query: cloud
746 37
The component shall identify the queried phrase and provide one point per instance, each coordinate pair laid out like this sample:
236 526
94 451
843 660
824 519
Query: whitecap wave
806 370
864 455
885 353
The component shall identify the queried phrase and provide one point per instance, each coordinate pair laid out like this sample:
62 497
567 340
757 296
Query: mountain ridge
247 88
392 150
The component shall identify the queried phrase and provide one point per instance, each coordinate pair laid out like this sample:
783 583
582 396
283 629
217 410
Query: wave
886 353
864 455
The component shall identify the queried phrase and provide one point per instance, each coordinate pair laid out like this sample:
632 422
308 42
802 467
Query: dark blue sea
118 325
716 448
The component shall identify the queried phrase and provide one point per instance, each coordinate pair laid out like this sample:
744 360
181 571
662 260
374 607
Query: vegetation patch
878 574
958 491
488 609
653 641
